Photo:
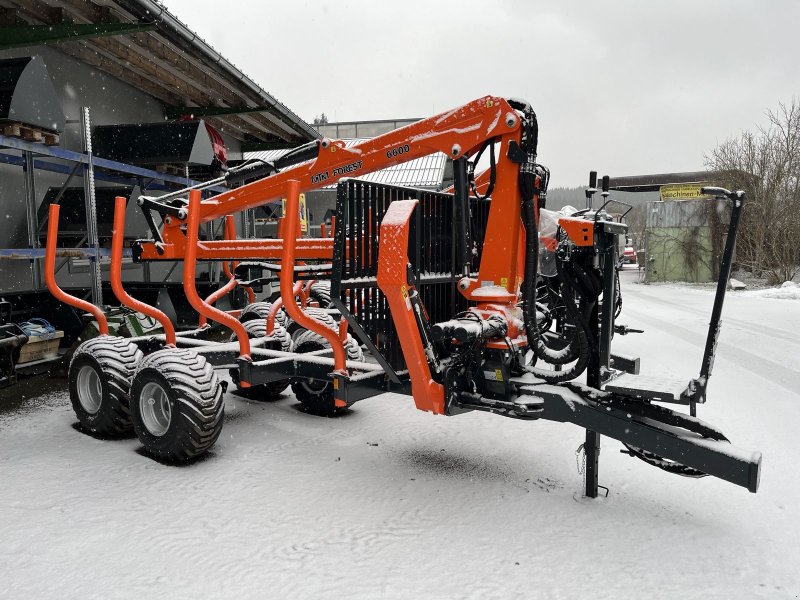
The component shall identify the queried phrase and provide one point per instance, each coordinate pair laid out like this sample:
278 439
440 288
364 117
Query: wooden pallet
30 133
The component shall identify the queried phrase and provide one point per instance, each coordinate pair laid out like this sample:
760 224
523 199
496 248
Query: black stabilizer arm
652 433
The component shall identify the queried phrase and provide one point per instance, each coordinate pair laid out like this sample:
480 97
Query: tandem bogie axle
473 298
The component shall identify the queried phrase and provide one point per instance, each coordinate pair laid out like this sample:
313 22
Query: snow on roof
427 171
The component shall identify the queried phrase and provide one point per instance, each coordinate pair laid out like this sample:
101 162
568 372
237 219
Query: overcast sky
623 87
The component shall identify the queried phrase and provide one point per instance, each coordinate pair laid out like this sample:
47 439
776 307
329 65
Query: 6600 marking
397 151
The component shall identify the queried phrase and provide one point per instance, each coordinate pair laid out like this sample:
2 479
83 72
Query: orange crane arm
458 133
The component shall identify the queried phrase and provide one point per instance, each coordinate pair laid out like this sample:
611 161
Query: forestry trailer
455 298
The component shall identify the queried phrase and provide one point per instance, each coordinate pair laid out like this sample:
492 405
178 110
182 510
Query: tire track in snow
756 329
765 368
358 539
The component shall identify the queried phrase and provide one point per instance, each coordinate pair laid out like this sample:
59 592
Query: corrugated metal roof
361 129
427 172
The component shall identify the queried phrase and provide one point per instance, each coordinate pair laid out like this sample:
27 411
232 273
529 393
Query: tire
315 396
260 310
100 375
176 404
279 340
321 293
294 328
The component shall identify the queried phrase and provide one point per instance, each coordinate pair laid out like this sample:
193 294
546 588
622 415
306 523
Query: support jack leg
592 449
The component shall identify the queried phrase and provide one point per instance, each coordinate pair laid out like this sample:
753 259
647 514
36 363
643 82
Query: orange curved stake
273 309
216 295
229 272
50 274
305 297
287 281
189 270
230 234
116 275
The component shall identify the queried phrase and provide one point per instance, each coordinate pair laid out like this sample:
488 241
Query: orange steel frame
458 133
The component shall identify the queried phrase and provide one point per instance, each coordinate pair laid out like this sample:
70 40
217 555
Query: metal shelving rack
34 156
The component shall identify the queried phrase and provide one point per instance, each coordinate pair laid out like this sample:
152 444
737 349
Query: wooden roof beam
114 69
164 52
231 123
174 112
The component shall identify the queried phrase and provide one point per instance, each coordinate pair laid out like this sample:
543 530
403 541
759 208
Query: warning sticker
496 375
404 291
302 212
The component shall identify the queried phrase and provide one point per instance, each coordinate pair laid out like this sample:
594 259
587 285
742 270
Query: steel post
32 217
91 210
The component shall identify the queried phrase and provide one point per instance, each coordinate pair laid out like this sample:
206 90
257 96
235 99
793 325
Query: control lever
592 189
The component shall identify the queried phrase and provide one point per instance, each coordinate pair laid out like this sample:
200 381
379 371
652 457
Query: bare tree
637 222
766 164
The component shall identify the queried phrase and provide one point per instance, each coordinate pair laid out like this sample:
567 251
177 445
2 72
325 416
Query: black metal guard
433 253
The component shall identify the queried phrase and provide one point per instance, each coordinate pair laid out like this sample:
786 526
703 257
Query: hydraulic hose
537 343
527 182
590 284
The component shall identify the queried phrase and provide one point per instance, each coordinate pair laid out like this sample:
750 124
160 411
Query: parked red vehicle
630 255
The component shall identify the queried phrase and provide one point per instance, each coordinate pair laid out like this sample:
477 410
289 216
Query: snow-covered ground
389 502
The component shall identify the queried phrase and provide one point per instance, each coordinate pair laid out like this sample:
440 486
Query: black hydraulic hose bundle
492 171
580 346
527 186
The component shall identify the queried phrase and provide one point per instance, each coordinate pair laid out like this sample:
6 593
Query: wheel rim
155 408
90 389
314 386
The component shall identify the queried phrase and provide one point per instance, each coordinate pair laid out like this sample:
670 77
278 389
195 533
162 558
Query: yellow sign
404 292
681 191
303 212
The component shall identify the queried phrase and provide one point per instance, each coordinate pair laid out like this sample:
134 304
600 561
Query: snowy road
388 502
